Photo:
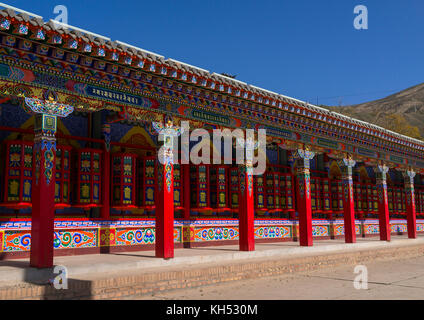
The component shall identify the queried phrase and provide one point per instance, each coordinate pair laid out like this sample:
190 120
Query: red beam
4 128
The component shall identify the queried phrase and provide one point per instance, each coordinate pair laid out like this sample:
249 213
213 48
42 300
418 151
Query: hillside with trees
402 112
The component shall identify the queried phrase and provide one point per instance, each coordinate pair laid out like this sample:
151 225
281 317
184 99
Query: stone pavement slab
394 280
124 274
95 264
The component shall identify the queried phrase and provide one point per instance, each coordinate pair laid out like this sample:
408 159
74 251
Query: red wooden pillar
43 193
410 203
186 188
42 225
164 245
383 203
105 211
303 198
164 199
246 209
348 202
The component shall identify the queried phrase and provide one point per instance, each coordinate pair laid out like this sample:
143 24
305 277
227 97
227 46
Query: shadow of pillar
77 289
107 239
363 233
39 285
295 228
332 230
188 236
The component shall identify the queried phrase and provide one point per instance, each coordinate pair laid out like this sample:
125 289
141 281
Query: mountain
402 112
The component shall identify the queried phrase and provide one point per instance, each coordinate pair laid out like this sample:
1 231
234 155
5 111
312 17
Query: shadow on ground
38 284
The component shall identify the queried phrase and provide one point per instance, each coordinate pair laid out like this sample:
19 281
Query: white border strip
139 49
79 29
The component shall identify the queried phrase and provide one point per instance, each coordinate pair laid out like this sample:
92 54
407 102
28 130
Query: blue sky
306 49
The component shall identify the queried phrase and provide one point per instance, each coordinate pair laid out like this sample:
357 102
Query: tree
397 123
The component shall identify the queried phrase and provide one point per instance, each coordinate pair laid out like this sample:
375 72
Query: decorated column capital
381 179
347 165
381 171
409 176
169 132
246 170
302 158
49 106
166 153
302 165
250 145
45 127
246 176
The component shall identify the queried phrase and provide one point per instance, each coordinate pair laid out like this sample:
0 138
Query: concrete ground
222 272
94 266
395 279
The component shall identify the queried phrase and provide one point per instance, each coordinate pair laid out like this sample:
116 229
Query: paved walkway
395 279
95 266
